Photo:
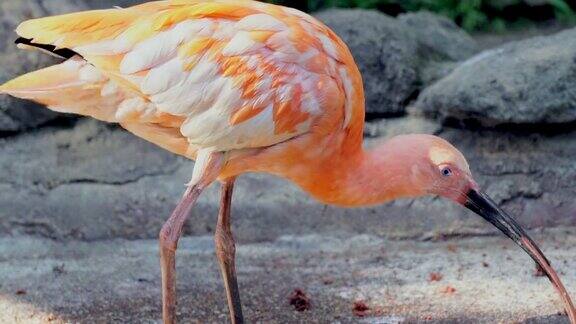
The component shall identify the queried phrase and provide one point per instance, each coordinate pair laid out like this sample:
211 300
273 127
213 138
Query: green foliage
470 14
563 11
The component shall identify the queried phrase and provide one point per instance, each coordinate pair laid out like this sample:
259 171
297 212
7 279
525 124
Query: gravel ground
478 279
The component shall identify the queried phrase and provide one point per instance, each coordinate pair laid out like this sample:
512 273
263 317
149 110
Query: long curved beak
482 205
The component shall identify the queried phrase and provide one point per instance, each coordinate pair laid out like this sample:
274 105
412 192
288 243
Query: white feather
88 73
119 45
109 89
260 22
191 92
225 30
349 92
162 77
241 44
328 46
151 52
160 48
135 106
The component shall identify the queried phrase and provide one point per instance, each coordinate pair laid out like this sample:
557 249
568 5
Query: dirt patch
449 290
300 300
360 309
435 276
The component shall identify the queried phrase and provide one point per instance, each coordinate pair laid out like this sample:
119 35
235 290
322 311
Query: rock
439 36
78 180
94 181
386 53
435 70
488 40
526 82
15 114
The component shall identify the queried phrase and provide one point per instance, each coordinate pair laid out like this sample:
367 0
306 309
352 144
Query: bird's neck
362 178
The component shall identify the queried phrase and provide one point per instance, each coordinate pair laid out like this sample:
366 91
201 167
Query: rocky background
510 106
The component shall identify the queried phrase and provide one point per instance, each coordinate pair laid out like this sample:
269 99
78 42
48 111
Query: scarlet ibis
243 86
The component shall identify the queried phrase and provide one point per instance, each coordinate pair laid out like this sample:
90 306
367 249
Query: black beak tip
481 204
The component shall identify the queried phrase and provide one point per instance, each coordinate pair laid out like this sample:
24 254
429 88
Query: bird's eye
446 171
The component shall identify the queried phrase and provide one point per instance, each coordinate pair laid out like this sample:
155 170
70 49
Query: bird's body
231 76
241 86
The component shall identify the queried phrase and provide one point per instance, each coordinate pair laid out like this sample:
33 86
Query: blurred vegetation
472 15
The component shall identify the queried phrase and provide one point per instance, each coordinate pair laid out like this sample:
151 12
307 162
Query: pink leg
205 172
226 250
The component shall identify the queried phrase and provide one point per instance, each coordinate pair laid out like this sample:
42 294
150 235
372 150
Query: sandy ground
118 281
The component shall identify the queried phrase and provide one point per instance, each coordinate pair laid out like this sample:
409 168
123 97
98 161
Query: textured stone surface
93 181
439 36
527 82
119 281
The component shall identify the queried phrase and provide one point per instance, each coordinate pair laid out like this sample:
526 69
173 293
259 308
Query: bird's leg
169 236
225 250
206 170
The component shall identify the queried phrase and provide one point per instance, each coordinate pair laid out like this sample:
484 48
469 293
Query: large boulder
15 114
527 82
439 37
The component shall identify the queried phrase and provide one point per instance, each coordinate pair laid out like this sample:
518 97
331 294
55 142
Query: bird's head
427 165
440 169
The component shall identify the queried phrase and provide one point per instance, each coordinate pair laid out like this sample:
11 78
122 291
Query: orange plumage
275 66
242 86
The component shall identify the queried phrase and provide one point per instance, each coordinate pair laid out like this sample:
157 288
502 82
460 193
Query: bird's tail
74 86
71 87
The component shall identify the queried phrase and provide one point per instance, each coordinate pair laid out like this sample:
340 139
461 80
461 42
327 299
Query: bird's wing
238 74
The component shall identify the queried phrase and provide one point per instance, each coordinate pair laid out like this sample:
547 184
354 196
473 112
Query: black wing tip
22 40
65 53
